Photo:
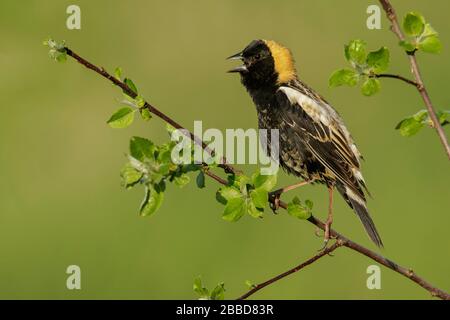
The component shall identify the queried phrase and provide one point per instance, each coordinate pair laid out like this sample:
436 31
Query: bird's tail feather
360 208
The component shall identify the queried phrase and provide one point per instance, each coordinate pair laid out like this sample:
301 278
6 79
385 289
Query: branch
395 27
341 240
395 76
321 254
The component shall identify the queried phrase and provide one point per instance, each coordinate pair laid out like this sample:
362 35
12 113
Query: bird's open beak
237 56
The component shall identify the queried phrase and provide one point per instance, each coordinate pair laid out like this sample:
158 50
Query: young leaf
145 114
309 204
260 197
152 201
370 87
57 50
250 284
355 52
218 292
430 44
265 182
122 118
296 209
409 127
118 73
443 116
131 85
413 24
252 210
407 46
229 193
141 148
182 180
200 180
130 176
200 289
343 76
378 60
234 209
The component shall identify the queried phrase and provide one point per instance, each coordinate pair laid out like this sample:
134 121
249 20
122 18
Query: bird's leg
329 220
274 196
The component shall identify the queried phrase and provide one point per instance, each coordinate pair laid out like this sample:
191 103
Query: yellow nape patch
284 63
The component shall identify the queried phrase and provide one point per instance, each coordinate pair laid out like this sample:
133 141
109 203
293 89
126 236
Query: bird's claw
274 198
326 237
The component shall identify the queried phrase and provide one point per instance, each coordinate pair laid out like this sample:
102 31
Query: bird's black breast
275 112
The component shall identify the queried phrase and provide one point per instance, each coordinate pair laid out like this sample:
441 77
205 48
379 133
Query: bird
314 143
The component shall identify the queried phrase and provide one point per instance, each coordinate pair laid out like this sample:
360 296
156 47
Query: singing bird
314 143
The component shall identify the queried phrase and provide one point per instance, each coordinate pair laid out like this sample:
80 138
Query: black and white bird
314 143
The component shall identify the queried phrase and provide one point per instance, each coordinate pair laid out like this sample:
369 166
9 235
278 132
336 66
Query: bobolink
314 143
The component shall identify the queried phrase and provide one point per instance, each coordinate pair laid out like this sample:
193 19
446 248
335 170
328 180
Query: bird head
265 62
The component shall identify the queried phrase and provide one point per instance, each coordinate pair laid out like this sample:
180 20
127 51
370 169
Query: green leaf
218 292
421 115
200 180
370 87
141 148
378 60
200 289
165 153
355 52
140 101
430 44
152 201
409 127
61 57
407 46
443 116
343 76
182 180
250 284
309 204
131 85
145 114
57 51
252 210
170 129
122 118
265 182
229 193
413 24
130 176
296 209
260 197
234 209
412 125
118 73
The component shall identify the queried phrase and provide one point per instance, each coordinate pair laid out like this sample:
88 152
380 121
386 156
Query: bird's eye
257 56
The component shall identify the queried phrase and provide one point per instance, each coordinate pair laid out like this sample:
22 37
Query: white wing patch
311 107
320 112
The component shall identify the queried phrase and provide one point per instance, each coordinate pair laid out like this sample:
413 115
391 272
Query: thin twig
395 76
147 105
302 265
230 169
395 27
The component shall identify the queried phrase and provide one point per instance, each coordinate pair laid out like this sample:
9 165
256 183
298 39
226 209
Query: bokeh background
61 202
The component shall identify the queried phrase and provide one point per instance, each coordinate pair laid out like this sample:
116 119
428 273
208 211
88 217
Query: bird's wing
324 134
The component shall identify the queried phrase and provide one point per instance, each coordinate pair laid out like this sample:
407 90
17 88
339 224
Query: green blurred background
61 199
